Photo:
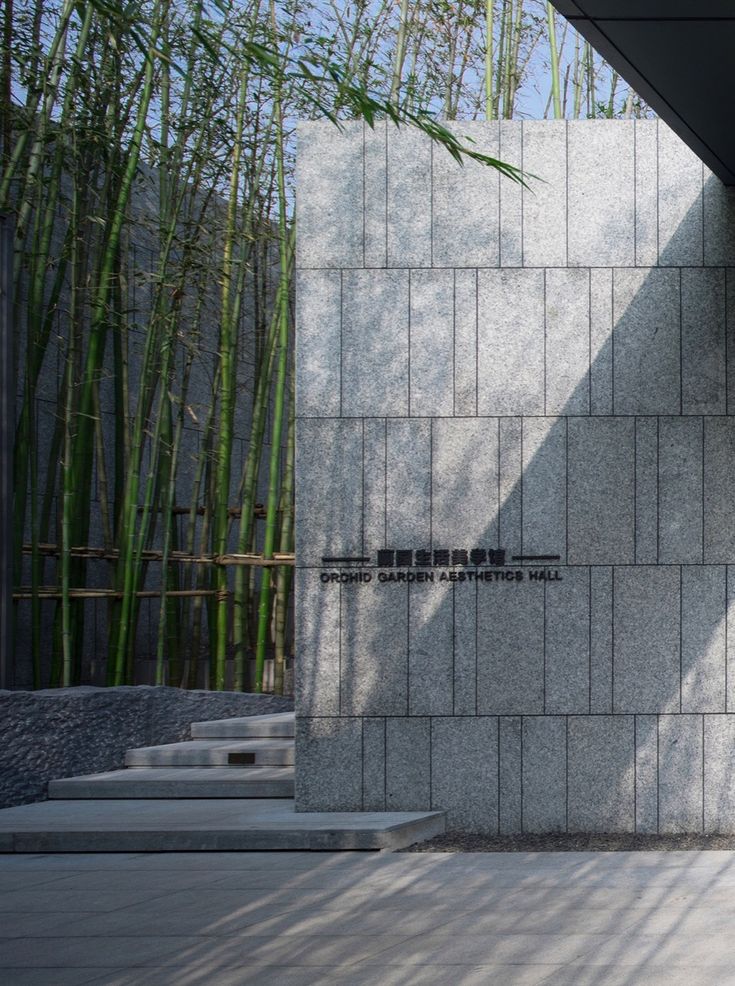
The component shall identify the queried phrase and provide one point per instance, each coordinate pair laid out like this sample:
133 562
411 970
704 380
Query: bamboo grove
147 165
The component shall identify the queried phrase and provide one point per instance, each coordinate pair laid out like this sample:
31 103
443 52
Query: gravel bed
561 842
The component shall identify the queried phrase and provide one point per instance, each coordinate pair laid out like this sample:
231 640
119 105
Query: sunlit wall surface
516 479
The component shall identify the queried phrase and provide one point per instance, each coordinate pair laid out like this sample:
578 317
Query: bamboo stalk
227 356
282 307
555 84
400 52
283 576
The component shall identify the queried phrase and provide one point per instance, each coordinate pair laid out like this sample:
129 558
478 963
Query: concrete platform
368 919
204 825
214 752
279 724
179 782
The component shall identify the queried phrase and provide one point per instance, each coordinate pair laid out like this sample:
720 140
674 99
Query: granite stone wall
516 419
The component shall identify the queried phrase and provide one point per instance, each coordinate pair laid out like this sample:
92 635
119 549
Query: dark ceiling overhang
678 56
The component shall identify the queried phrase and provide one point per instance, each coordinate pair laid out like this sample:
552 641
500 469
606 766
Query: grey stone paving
348 919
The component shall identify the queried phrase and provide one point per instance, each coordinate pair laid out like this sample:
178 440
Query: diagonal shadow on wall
590 702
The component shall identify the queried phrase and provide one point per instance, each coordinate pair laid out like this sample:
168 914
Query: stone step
178 782
215 753
203 825
280 724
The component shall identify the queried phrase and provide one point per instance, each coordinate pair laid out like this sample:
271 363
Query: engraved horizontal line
330 561
606 564
536 557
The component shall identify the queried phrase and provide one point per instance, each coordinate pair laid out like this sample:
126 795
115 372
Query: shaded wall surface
531 394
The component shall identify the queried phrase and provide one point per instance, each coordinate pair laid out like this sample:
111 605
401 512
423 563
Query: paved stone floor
288 919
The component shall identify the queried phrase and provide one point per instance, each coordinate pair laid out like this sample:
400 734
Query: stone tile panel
375 343
510 344
646 626
601 196
329 195
544 774
601 774
465 201
408 764
464 772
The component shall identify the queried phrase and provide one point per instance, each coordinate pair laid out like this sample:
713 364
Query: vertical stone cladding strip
465 483
646 490
646 774
430 673
329 776
464 771
373 764
375 343
704 600
465 650
601 774
567 342
432 343
730 642
511 196
317 623
409 198
376 192
646 193
729 341
600 698
408 483
408 764
511 485
329 195
544 773
680 490
374 485
646 343
465 201
567 628
719 482
373 622
510 648
544 206
510 344
647 639
327 525
509 775
680 202
680 773
465 342
719 222
601 330
704 352
544 486
601 511
318 335
719 791
601 209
